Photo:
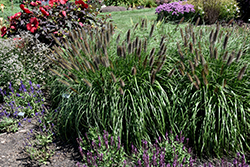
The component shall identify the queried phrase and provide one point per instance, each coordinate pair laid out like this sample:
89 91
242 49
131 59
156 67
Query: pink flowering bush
175 11
58 17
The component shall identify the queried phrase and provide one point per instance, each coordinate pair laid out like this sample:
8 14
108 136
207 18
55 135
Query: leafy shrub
211 11
101 150
149 3
116 2
26 102
23 58
58 19
244 9
229 9
175 11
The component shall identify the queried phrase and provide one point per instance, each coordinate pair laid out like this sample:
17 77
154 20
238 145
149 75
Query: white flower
21 114
202 12
64 95
228 10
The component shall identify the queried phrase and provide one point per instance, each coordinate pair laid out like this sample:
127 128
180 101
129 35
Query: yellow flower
90 6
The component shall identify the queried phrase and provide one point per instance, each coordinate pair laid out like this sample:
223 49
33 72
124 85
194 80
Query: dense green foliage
137 84
134 92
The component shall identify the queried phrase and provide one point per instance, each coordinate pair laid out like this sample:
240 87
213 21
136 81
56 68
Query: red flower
80 23
16 39
63 1
20 44
26 10
47 7
15 16
3 30
82 4
51 2
13 27
33 3
44 12
32 25
22 6
64 13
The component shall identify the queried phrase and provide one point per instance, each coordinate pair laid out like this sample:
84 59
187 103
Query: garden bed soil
12 152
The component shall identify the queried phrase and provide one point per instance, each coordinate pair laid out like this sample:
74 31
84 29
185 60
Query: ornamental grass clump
101 150
212 74
25 103
117 83
174 11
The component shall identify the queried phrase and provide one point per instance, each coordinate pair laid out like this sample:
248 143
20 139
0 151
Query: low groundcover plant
25 103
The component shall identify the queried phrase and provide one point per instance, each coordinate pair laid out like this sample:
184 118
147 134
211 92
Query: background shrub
244 9
211 11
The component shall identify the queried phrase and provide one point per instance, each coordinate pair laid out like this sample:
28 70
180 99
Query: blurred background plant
244 10
211 11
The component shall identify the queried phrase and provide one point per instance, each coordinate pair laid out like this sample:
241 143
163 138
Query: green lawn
125 19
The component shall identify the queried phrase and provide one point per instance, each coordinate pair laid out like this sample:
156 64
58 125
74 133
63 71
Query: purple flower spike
119 143
80 150
184 160
112 140
10 86
125 163
139 163
1 91
166 135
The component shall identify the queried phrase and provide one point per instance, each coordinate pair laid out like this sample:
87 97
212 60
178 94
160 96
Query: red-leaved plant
57 18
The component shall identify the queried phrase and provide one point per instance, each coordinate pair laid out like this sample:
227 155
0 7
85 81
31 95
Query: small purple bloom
39 120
